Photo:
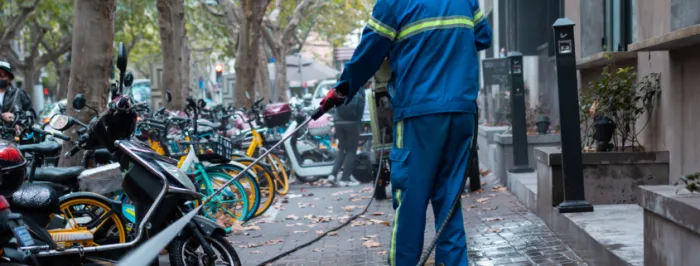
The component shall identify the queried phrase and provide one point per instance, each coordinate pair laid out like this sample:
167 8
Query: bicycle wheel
266 184
231 204
281 178
92 214
249 182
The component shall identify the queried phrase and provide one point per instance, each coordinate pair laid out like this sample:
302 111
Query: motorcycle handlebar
37 129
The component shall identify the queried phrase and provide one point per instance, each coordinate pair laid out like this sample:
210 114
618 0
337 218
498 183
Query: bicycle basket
215 148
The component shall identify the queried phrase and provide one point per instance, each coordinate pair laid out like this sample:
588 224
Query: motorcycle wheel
185 251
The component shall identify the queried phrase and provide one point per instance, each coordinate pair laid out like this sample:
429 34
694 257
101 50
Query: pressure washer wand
206 200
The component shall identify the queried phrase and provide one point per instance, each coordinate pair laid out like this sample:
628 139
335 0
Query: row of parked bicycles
143 169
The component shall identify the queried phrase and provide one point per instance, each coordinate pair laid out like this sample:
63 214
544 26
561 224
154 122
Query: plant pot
604 130
543 124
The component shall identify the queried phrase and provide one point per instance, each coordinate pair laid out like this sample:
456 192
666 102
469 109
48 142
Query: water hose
341 226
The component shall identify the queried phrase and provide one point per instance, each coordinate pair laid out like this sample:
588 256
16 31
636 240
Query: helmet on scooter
12 168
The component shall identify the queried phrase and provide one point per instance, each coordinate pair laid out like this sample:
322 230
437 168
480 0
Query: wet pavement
500 230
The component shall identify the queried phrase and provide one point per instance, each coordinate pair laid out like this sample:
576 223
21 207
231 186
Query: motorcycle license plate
23 236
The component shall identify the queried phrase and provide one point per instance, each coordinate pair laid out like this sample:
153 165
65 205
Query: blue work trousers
428 163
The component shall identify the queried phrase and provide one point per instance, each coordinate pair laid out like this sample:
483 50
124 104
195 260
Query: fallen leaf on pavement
498 188
371 244
300 231
341 193
317 198
292 217
481 190
489 209
309 217
334 233
311 225
304 205
309 195
255 252
367 189
285 201
236 242
273 241
492 195
377 213
493 230
290 225
473 206
317 250
299 224
494 219
377 221
349 208
482 200
253 245
251 228
319 232
484 183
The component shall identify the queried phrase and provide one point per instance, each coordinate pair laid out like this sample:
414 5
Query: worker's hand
331 100
8 117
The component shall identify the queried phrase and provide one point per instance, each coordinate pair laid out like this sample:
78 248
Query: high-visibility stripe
435 23
399 134
381 28
392 251
478 16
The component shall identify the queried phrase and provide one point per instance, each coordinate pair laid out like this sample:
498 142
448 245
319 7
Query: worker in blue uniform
432 47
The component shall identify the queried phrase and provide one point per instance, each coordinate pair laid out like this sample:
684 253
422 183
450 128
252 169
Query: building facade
655 36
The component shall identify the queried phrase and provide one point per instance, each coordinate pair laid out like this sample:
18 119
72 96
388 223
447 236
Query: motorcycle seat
45 148
36 201
59 175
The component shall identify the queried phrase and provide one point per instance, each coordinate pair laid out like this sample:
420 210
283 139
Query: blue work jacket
432 47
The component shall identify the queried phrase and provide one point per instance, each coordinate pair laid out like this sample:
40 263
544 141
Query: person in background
347 120
11 98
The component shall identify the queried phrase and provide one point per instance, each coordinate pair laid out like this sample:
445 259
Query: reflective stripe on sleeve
435 23
381 28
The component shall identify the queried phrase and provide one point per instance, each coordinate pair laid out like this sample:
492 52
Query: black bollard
517 114
574 197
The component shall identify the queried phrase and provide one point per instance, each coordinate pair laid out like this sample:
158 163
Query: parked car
140 91
321 89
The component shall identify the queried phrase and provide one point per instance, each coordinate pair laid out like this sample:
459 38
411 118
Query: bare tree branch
269 39
211 10
16 22
294 22
63 47
38 33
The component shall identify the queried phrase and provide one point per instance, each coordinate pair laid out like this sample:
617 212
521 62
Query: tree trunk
63 71
30 79
246 54
183 53
280 76
93 25
171 70
262 77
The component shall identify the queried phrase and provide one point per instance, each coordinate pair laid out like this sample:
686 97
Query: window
620 24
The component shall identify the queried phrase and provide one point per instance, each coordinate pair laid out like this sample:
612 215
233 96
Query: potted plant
543 124
615 102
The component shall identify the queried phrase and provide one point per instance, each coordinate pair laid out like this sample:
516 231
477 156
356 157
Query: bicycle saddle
58 175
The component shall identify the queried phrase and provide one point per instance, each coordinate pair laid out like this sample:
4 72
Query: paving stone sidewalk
500 230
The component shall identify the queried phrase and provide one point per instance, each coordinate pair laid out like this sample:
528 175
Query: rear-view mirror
121 58
79 101
128 79
61 122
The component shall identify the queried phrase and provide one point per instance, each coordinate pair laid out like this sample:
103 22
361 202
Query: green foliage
338 18
689 182
618 96
207 33
136 25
